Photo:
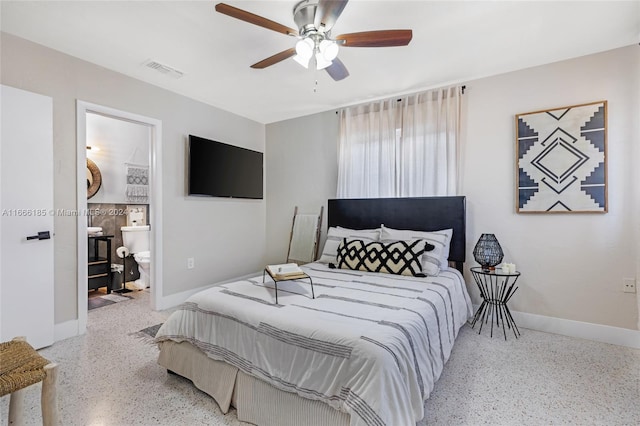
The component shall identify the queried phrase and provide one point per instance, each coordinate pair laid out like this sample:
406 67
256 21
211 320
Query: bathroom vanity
99 262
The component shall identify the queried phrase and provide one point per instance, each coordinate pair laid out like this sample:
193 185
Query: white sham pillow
336 235
432 261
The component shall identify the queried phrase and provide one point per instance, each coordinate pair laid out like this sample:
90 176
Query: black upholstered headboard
419 214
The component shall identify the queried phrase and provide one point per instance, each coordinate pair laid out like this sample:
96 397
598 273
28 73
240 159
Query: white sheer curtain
407 147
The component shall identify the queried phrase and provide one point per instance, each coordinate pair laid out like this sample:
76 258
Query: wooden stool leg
49 399
16 407
16 400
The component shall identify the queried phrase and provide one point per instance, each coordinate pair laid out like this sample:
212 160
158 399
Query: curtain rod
463 89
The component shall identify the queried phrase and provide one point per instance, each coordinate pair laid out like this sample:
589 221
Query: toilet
136 239
143 259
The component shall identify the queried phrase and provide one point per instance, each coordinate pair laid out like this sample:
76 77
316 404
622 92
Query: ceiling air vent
164 69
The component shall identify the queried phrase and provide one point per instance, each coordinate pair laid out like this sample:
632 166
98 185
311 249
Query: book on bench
286 271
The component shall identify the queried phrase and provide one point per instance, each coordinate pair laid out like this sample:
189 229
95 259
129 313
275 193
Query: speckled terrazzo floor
110 377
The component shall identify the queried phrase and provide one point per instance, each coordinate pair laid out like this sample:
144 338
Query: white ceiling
453 41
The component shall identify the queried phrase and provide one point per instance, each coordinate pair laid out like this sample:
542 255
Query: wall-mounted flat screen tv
218 169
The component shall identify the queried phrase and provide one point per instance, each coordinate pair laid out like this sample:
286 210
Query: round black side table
496 288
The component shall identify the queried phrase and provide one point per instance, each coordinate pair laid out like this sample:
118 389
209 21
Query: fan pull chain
315 87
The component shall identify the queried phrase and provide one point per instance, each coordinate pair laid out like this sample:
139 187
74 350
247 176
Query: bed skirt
256 402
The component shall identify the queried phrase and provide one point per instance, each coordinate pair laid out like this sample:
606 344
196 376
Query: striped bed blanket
372 345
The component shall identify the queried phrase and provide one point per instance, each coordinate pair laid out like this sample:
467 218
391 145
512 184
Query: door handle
43 235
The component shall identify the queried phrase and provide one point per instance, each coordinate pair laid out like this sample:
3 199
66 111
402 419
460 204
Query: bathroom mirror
94 178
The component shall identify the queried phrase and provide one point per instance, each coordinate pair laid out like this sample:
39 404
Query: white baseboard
172 300
583 330
65 330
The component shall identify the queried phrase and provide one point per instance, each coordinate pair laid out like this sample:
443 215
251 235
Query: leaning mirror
94 178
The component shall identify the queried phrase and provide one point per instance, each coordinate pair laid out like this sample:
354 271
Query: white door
26 203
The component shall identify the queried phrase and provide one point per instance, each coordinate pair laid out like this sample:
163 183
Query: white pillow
336 235
432 261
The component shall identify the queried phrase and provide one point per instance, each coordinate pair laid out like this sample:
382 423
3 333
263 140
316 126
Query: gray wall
301 162
572 264
226 238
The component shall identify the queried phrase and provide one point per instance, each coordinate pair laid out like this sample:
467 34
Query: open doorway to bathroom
118 198
118 206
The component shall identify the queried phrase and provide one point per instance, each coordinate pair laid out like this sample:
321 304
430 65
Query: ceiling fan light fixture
305 48
321 61
302 60
329 49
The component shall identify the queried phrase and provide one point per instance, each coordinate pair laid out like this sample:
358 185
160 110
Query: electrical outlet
191 263
629 285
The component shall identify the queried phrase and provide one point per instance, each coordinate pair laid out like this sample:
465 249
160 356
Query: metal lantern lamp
488 252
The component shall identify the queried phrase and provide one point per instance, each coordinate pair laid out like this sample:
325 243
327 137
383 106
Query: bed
367 350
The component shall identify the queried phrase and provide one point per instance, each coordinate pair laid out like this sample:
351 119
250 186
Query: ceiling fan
315 19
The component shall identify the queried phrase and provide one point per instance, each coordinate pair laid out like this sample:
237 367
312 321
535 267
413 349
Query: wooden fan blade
327 12
337 70
382 38
251 18
275 58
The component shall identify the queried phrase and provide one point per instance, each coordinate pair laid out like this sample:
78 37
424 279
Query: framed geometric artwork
561 164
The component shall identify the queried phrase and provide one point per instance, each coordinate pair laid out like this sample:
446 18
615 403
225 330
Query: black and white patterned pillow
398 257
